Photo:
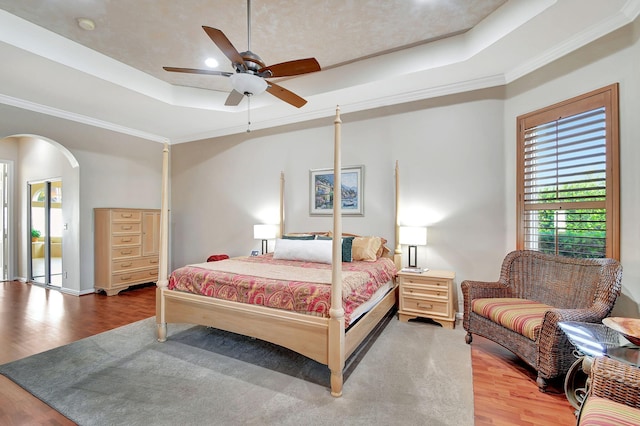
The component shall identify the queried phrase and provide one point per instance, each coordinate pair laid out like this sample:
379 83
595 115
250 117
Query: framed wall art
321 191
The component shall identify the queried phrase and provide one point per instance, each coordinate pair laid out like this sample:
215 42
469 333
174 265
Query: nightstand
430 294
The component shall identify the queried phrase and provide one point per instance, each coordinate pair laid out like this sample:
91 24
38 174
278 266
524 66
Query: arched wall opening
37 158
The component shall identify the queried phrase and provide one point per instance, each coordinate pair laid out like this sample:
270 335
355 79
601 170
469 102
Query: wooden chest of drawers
430 294
126 248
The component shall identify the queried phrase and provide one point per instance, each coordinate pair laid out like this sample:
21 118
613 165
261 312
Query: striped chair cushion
601 411
520 315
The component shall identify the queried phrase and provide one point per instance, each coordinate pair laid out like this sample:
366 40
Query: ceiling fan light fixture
248 84
211 63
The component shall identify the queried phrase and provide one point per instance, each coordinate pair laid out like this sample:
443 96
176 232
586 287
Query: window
568 177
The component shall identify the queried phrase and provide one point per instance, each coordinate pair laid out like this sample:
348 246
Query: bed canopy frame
321 339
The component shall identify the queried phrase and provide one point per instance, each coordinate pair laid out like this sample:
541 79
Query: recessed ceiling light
86 24
211 63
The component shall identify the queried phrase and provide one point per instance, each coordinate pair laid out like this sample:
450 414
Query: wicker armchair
556 289
614 394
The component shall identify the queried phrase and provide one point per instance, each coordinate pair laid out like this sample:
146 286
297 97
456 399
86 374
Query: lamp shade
413 235
246 83
265 232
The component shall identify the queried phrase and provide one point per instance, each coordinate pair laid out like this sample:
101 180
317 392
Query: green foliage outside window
575 233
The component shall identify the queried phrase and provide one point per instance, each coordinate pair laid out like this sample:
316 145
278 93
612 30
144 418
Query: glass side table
592 340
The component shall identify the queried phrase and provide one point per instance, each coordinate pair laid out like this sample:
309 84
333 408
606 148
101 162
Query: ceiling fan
251 72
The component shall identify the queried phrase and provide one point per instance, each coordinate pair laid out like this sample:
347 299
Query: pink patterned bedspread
303 287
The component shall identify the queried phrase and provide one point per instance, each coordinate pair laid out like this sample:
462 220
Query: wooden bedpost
281 230
336 320
161 324
397 257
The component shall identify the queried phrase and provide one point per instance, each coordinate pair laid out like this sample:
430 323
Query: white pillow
318 251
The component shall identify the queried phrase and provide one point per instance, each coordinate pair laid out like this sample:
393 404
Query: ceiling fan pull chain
248 113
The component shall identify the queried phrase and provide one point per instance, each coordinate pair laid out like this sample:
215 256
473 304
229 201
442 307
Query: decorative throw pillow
298 237
347 243
303 250
366 248
383 248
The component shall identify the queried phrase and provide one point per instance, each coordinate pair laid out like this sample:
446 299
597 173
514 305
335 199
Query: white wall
615 58
9 155
450 153
115 170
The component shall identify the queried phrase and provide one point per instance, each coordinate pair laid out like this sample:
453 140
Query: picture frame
321 191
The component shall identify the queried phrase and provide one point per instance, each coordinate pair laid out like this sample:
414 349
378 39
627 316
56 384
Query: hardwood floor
505 391
34 319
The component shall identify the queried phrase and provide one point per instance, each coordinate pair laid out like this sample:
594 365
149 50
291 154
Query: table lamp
413 236
265 233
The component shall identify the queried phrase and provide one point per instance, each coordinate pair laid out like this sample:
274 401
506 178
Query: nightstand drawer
428 307
412 290
426 281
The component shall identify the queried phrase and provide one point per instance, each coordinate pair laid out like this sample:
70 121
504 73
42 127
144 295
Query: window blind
567 190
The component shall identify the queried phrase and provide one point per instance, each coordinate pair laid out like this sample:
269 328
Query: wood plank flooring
34 319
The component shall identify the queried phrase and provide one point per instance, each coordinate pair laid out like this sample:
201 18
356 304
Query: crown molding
324 112
626 15
79 118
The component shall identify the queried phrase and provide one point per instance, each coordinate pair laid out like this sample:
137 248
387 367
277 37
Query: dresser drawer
124 252
126 215
125 265
126 228
126 240
128 278
426 307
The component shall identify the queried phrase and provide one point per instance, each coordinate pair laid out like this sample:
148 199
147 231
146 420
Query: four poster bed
320 310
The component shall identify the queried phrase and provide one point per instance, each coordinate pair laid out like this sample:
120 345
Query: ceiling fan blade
225 46
197 71
285 95
234 98
290 68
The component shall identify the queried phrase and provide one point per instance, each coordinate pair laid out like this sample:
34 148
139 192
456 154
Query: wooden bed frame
321 339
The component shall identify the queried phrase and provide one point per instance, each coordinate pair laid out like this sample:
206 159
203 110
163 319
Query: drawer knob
125 278
126 265
126 240
126 228
125 252
424 306
127 214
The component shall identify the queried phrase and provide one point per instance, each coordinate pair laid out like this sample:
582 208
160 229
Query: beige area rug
414 373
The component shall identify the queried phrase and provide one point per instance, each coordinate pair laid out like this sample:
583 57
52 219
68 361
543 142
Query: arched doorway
41 167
